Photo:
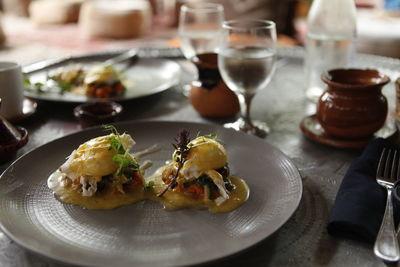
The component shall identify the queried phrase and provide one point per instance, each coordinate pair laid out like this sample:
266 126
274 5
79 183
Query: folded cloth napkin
360 202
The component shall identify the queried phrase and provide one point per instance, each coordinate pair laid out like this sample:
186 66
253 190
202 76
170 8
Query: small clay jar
353 106
210 96
95 113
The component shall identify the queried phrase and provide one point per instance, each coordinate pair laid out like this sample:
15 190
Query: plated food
102 174
198 177
101 81
144 234
147 76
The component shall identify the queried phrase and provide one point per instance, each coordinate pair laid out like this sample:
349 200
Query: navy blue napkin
360 202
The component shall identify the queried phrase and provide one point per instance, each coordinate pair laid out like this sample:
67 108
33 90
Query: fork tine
379 171
387 164
386 245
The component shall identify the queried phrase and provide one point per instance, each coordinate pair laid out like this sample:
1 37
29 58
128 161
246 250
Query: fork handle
386 245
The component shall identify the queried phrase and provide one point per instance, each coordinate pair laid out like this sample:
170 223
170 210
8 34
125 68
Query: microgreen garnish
26 81
149 185
34 87
115 140
64 86
116 144
211 135
111 128
126 162
181 151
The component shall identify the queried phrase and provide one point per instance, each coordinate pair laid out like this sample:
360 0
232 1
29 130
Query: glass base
257 128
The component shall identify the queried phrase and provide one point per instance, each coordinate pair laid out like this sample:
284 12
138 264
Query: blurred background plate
144 234
145 77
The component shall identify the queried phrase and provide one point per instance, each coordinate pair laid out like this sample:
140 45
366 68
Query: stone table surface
303 240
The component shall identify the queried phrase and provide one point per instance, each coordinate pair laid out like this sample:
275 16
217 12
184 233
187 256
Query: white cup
11 90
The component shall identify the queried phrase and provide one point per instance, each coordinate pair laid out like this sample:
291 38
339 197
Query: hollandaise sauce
173 200
101 174
108 198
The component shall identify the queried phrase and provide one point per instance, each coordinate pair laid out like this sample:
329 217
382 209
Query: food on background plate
98 81
198 177
101 81
71 76
100 174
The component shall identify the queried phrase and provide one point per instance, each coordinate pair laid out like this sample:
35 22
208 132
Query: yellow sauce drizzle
107 199
172 200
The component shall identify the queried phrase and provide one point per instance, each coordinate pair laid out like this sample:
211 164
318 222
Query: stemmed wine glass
246 61
200 26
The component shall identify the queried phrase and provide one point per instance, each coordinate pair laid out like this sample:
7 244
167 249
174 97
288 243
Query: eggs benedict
100 174
198 177
103 81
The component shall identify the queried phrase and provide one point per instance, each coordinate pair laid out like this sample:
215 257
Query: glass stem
245 105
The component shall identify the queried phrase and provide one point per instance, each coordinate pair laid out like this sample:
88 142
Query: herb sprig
122 157
149 185
36 87
64 86
181 152
40 88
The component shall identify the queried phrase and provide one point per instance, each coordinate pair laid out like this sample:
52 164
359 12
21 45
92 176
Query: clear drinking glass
200 26
246 61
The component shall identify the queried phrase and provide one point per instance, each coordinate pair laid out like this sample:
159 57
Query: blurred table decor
47 12
2 35
115 19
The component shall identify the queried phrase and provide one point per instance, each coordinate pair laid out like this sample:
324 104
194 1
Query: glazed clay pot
210 96
353 106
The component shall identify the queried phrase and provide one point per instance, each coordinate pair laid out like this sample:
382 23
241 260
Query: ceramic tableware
209 95
11 90
144 234
353 105
95 113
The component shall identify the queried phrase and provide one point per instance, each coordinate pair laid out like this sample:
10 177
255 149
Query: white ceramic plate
144 234
146 77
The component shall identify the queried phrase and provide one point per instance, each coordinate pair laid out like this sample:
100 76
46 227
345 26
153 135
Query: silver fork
386 245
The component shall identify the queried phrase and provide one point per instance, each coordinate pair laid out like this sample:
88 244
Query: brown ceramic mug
353 106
